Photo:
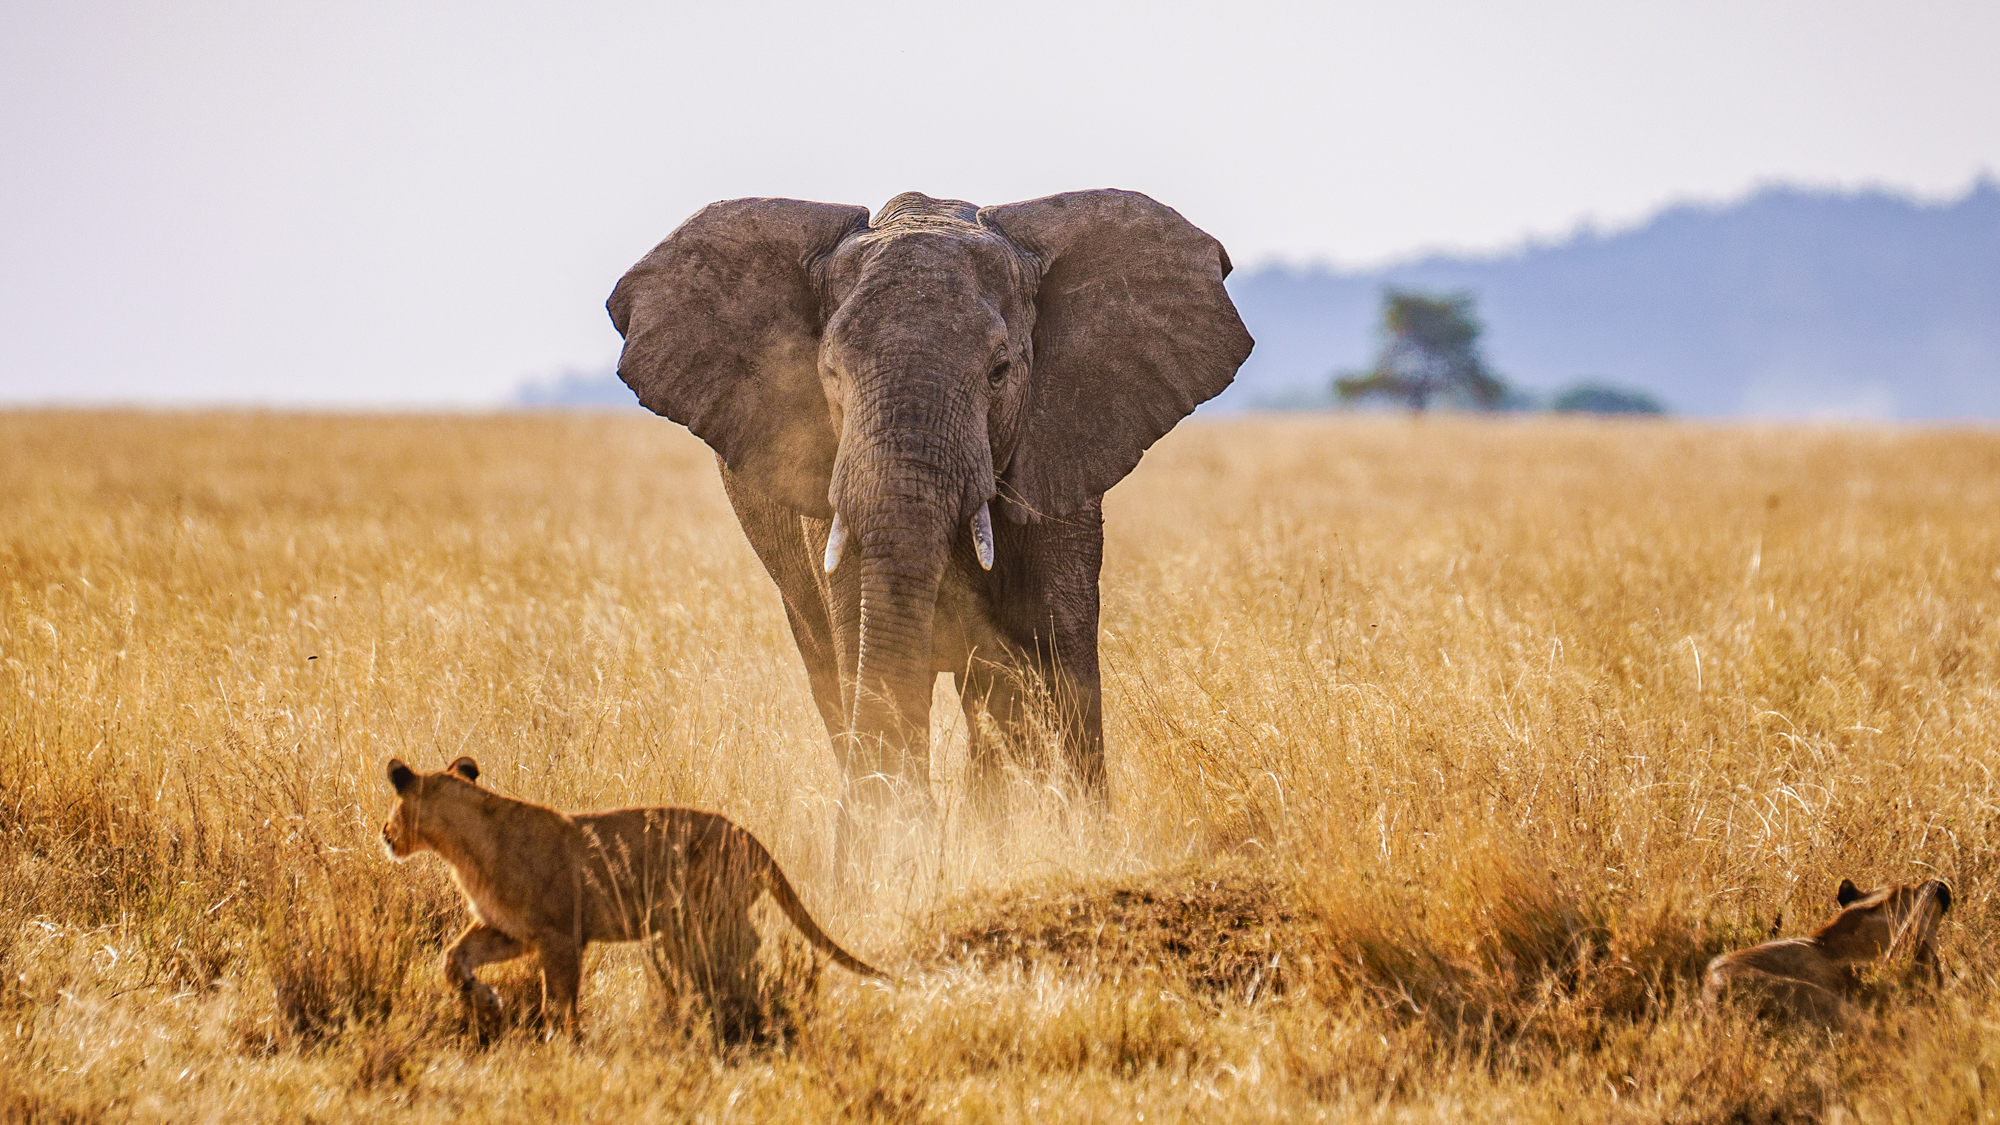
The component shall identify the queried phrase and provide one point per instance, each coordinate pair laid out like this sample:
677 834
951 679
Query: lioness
1815 978
554 882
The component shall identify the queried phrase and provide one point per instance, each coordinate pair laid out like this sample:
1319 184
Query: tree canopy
1430 351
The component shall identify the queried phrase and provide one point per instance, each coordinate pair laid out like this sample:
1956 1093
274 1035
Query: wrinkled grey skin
903 373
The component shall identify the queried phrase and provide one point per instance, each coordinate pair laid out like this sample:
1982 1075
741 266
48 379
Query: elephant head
905 376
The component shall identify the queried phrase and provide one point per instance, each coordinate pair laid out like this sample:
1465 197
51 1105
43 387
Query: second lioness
551 882
1818 977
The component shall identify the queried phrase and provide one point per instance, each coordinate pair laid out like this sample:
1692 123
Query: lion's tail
773 878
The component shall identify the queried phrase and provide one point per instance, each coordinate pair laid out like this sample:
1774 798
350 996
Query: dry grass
1445 754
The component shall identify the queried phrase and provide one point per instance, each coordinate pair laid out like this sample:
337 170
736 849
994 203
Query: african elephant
916 420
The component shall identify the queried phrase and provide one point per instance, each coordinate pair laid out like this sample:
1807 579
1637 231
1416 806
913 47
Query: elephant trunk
902 501
903 552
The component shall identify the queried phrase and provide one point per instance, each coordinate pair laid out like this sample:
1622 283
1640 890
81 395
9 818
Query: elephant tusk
982 537
836 542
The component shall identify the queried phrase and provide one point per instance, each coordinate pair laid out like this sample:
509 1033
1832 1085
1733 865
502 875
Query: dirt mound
1218 931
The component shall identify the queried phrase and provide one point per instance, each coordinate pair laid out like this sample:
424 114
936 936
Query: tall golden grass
1444 753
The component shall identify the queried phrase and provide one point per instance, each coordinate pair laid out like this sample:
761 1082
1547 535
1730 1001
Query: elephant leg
790 546
1071 670
1048 611
992 693
821 672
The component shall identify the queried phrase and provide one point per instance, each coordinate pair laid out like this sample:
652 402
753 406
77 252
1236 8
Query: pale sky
407 203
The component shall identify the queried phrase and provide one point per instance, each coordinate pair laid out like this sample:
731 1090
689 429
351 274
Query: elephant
916 419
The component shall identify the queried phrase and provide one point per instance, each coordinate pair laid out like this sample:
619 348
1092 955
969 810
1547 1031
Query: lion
552 882
1818 978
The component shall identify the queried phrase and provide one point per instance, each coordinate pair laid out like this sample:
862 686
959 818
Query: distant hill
577 389
1790 302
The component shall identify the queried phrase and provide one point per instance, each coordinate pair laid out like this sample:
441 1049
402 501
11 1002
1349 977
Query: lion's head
403 834
1886 922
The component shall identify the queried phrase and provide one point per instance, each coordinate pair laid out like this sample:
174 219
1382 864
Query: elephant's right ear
722 326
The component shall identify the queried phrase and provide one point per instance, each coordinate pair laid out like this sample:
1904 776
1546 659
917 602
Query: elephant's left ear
1133 330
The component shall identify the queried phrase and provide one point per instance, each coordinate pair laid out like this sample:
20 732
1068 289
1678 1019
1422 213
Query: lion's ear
1943 895
400 775
466 768
1847 893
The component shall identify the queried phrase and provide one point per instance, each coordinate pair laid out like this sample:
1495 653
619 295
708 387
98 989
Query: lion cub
1815 978
537 879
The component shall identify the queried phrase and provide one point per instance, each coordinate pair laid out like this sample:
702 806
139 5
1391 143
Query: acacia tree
1430 348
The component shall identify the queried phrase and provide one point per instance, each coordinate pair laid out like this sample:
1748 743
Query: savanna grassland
1444 754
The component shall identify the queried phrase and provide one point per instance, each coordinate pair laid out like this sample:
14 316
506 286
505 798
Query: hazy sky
407 202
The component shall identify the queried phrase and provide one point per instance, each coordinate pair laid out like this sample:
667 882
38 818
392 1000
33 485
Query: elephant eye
998 375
